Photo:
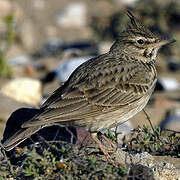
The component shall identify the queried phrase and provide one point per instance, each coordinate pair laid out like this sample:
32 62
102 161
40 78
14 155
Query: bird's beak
163 42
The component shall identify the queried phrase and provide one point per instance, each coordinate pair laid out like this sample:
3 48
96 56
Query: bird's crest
136 27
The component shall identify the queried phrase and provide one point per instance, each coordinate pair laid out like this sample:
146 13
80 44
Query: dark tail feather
14 134
19 137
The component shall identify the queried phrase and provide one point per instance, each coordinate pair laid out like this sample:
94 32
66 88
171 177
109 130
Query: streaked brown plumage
104 91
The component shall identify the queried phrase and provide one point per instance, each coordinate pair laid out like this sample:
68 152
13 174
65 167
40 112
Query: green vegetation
64 161
52 160
5 70
5 42
156 143
109 134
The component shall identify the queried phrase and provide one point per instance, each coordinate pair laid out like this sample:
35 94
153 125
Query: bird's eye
140 41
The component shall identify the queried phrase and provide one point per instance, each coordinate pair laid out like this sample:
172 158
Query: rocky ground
39 37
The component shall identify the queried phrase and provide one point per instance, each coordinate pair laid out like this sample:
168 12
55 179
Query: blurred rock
71 59
7 106
53 47
171 120
88 47
5 8
169 84
74 15
23 90
64 70
50 48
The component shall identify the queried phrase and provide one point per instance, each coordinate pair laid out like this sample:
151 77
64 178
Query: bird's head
139 42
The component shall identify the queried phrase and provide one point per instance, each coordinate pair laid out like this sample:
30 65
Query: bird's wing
104 89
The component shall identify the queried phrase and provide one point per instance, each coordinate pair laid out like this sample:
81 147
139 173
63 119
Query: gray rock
160 170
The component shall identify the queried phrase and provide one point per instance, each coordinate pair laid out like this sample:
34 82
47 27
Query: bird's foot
104 150
113 145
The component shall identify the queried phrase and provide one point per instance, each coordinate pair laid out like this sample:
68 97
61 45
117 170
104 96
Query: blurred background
43 41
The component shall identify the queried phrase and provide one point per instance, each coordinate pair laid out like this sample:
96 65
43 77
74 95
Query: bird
106 90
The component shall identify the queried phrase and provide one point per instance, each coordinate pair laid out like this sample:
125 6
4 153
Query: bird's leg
103 148
113 145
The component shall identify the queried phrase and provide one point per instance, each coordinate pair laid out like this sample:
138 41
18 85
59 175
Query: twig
178 132
148 118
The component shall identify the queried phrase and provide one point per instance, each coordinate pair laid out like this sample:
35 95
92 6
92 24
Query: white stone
169 83
24 90
74 15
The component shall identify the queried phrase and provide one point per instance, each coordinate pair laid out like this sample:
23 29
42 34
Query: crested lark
106 90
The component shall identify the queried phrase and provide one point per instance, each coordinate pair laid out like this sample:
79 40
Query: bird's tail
14 134
19 137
